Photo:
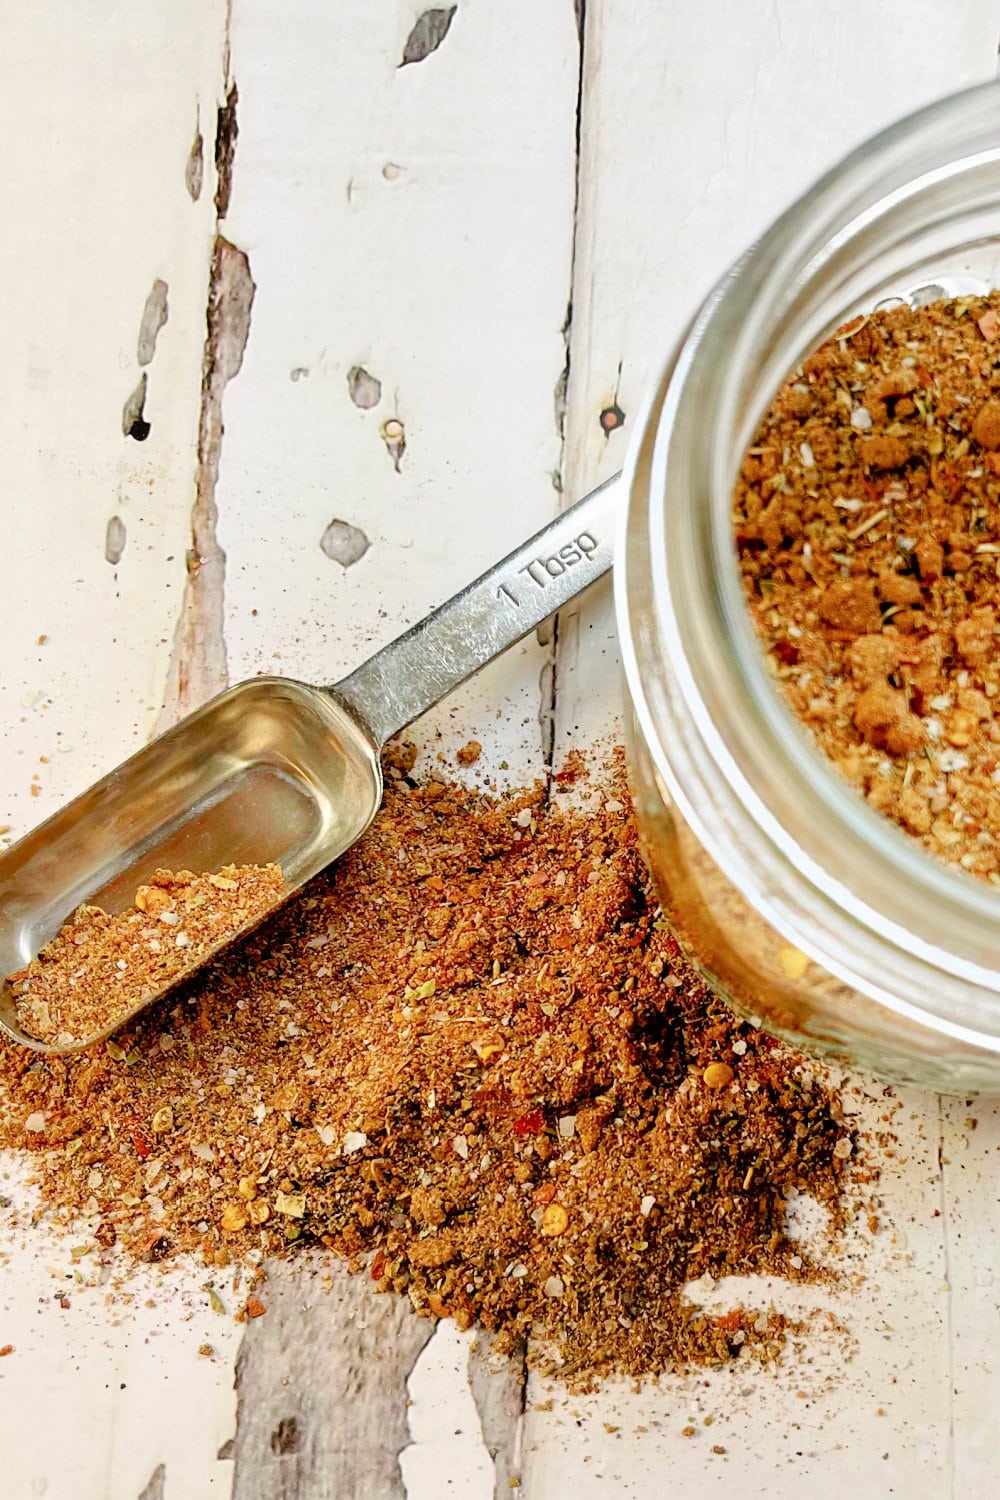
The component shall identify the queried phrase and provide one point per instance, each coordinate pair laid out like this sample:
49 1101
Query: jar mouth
918 204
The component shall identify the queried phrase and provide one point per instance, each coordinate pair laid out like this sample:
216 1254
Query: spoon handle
422 665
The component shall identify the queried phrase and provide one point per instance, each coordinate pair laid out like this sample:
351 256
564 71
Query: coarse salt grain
354 1140
647 1205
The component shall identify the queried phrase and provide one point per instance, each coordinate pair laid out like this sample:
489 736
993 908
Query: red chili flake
379 1265
544 1194
255 1308
532 1123
786 652
566 776
7 1349
925 377
730 1321
139 1141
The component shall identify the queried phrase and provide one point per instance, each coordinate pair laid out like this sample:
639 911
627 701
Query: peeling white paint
446 1435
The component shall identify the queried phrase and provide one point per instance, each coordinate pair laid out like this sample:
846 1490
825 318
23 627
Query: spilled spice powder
471 1059
99 967
867 519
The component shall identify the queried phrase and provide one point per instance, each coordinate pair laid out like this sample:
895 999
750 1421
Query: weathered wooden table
435 295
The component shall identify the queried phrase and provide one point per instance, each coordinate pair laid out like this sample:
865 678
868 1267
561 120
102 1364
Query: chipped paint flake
154 315
194 167
364 390
344 544
427 35
198 660
226 132
114 540
134 424
156 1489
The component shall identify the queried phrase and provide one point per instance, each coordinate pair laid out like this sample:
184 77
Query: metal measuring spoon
274 771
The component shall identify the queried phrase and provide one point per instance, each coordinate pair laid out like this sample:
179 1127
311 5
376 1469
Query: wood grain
322 1379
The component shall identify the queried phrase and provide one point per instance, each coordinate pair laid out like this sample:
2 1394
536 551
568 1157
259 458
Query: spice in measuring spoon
867 518
99 967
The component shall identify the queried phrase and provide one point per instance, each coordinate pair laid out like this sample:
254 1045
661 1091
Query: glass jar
808 910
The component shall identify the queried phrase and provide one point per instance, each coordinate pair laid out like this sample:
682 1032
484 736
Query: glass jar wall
809 910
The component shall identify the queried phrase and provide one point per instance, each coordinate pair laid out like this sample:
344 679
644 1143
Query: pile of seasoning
471 1059
867 519
99 966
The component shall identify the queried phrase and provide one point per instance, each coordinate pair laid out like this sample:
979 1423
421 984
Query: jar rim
839 880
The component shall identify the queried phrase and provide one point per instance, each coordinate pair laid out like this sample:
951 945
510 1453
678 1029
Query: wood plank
97 521
409 232
693 136
103 276
411 249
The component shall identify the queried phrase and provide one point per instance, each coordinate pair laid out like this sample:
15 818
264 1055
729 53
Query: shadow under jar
808 910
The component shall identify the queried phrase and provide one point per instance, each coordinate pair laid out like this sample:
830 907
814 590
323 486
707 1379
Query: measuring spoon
274 771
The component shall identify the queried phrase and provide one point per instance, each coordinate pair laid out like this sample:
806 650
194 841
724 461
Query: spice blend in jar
471 1059
867 518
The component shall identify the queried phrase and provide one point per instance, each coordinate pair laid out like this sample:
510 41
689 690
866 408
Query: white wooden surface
431 225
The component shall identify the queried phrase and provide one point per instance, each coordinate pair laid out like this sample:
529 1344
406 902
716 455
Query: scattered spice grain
99 967
387 1070
867 519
